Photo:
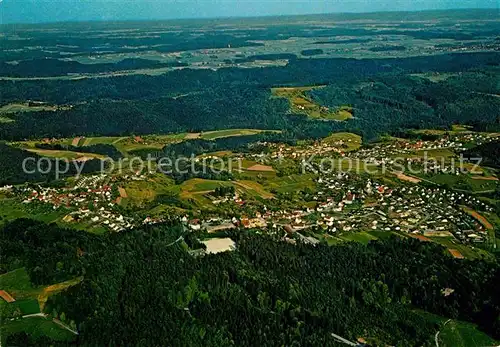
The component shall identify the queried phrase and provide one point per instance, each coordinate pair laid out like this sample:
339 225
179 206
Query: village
93 199
341 202
349 204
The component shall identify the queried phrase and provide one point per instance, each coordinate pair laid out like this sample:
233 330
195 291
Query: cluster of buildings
105 217
412 209
232 198
384 153
318 148
348 203
91 200
62 197
342 202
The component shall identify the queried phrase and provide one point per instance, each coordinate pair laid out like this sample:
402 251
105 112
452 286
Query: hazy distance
37 11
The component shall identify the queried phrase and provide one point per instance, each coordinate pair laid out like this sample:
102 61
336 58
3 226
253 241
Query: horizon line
484 9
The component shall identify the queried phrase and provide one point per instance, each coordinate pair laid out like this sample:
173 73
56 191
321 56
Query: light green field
17 281
468 252
197 185
142 192
462 334
464 183
303 104
331 240
16 107
361 237
4 119
65 154
460 128
196 189
212 135
253 188
25 306
37 327
291 183
106 140
434 76
149 142
383 234
11 209
350 141
437 154
453 333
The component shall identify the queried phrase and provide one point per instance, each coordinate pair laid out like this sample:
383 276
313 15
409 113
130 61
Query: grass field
254 188
467 183
17 282
142 192
4 119
291 183
150 142
361 237
26 306
30 301
436 154
300 102
16 107
11 209
462 334
468 252
199 185
349 141
37 327
453 333
212 135
65 154
383 234
195 189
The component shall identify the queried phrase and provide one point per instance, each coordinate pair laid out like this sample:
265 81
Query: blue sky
33 11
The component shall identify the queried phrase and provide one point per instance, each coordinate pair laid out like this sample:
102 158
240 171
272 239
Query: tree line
141 288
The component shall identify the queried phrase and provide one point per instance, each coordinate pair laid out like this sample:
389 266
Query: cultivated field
302 103
25 314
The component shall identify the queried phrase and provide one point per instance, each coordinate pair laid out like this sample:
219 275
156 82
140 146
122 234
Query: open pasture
212 135
26 107
291 183
302 103
70 155
347 141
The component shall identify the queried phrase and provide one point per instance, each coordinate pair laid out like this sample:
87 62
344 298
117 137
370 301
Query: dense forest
489 153
384 94
19 166
54 67
267 292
